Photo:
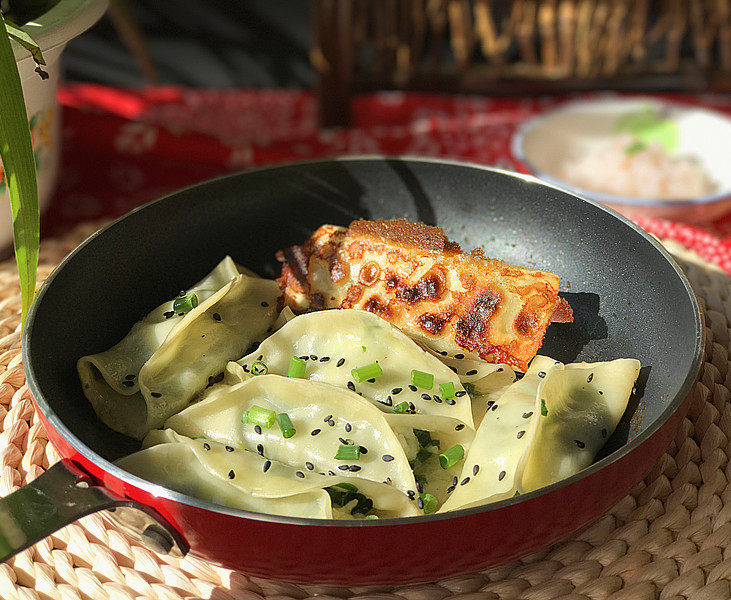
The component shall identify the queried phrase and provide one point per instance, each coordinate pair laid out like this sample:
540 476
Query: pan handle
64 494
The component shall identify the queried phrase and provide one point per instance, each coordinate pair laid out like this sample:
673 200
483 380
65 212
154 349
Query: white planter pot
51 31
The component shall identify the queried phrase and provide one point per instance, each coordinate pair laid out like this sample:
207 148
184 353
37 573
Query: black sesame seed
426 396
600 392
265 304
310 466
450 401
216 317
331 423
494 407
354 468
387 458
419 487
340 363
326 419
475 469
490 403
127 383
351 386
130 376
501 476
260 357
541 374
464 481
371 380
442 352
300 474
455 480
156 394
604 433
459 427
437 399
395 391
591 376
348 427
331 474
450 489
454 369
344 441
459 356
411 494
388 401
528 415
580 444
521 434
499 370
411 406
206 446
168 314
231 474
471 372
325 359
420 504
267 464
343 467
412 388
363 450
229 449
246 369
260 449
305 357
257 428
460 393
313 357
315 431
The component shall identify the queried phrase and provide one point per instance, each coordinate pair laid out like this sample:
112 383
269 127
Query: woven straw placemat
668 539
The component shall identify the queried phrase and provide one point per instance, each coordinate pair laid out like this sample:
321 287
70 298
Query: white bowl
543 143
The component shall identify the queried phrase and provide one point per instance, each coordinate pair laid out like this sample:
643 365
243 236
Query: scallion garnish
451 457
297 368
401 407
348 452
430 503
370 517
259 368
185 304
544 409
285 424
261 416
447 390
367 372
422 380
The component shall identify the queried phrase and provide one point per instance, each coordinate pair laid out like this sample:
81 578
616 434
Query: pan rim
159 491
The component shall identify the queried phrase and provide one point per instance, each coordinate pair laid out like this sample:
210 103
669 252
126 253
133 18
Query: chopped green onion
401 407
261 416
245 417
544 409
198 437
348 452
364 348
185 303
347 486
370 517
422 380
447 390
451 457
285 424
367 372
634 148
259 368
430 503
297 368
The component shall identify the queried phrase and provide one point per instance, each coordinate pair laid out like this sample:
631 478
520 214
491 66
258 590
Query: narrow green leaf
26 41
16 153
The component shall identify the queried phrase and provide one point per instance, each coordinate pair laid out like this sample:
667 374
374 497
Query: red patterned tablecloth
125 147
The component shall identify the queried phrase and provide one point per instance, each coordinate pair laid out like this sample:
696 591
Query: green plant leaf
16 153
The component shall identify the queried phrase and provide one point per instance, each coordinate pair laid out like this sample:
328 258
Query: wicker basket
518 47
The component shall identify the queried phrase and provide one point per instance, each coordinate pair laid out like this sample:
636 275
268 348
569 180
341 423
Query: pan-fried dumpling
324 418
585 402
166 358
334 342
544 428
242 479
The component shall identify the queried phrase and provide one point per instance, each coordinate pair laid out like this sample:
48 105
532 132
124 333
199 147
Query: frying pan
629 300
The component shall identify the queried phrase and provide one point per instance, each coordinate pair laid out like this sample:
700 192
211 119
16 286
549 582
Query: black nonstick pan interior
628 298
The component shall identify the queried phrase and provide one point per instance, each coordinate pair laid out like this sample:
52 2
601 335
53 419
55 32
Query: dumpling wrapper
554 446
308 403
585 402
362 338
237 478
177 364
493 466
